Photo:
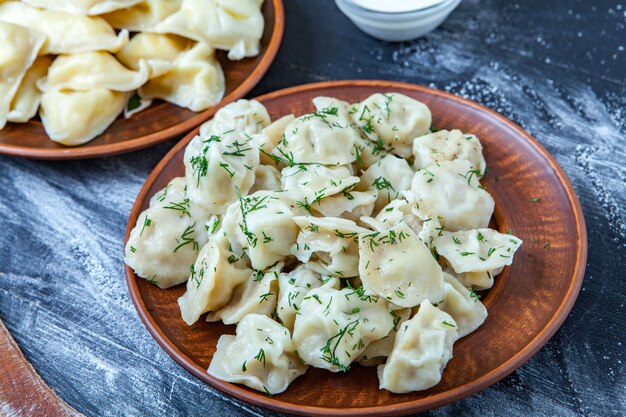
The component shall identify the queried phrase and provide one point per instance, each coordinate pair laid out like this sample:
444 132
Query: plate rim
428 403
142 142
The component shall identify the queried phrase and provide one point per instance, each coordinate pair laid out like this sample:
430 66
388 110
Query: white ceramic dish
397 26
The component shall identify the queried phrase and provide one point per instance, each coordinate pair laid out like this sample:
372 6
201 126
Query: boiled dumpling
144 16
159 51
390 176
393 120
256 295
82 7
270 136
421 351
226 163
395 264
66 33
462 305
196 81
322 138
247 116
450 190
478 250
377 352
335 326
91 70
18 50
332 242
308 185
75 117
351 205
447 145
232 25
481 280
166 239
26 101
261 225
214 275
261 356
294 286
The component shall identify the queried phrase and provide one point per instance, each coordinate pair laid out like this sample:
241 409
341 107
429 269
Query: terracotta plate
527 304
162 120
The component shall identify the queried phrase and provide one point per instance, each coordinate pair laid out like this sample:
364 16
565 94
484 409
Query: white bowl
397 26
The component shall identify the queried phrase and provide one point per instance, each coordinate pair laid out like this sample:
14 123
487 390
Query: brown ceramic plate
527 304
160 122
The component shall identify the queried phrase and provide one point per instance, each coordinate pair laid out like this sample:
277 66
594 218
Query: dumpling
247 116
82 7
270 136
261 356
18 50
323 138
335 326
308 185
421 351
333 242
166 239
256 295
232 25
266 177
447 145
376 352
451 190
66 33
390 176
159 51
91 70
478 250
28 97
142 17
219 168
481 280
393 120
214 275
261 225
294 286
76 117
462 305
196 81
396 265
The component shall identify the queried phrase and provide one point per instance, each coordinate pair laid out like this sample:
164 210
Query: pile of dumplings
76 62
352 234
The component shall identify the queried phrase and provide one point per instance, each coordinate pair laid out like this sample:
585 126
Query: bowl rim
405 13
436 400
142 142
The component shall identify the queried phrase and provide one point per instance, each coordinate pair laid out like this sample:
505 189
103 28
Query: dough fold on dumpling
196 81
421 351
256 295
28 97
213 277
261 356
82 7
18 50
76 117
66 33
159 51
247 116
232 25
463 305
144 16
90 70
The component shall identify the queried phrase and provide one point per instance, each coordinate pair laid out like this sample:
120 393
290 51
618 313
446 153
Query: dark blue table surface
558 68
